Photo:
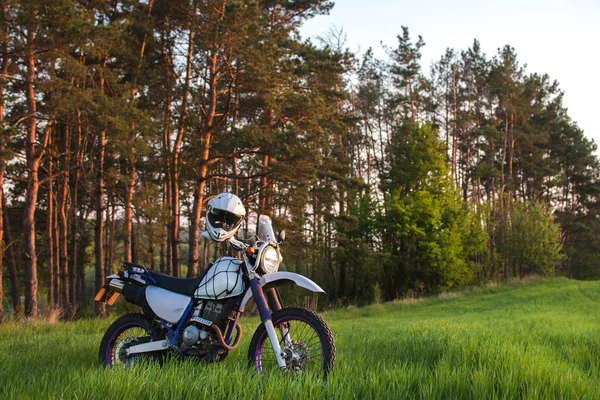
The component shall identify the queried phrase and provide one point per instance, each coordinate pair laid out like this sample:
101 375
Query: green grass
538 340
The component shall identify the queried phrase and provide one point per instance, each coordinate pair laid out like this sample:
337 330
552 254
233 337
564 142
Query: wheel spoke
305 340
305 346
127 338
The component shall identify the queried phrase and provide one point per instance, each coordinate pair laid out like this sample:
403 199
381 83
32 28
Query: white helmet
224 216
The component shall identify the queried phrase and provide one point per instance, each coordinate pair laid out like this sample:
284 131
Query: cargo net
222 280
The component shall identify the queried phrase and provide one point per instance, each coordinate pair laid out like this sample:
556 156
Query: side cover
167 305
222 280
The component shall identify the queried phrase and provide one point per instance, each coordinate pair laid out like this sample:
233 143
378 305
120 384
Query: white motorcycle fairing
282 278
167 305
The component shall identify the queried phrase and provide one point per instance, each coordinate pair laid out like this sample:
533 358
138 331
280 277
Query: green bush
529 240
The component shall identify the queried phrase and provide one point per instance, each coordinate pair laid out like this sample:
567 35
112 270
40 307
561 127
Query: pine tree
423 227
405 72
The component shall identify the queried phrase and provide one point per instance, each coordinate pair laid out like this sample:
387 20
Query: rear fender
282 278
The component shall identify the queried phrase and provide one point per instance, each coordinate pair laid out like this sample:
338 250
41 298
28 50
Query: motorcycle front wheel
305 340
129 330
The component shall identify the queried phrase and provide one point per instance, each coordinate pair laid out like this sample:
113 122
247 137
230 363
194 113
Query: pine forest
120 119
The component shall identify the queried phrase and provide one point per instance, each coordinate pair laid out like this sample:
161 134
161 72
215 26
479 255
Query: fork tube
275 304
265 316
273 299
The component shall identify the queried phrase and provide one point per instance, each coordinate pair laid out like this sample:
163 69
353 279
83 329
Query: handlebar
249 242
238 244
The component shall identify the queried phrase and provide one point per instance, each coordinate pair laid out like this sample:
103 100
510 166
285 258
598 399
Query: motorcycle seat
177 285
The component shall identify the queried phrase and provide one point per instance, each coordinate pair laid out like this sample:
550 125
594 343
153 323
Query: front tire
127 331
305 339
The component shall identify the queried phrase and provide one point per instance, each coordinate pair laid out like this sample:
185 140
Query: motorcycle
198 318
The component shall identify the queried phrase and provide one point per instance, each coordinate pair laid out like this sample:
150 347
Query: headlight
270 260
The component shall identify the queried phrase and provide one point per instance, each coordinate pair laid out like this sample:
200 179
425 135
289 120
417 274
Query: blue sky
559 38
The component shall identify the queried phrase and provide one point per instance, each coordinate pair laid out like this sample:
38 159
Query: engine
198 338
211 310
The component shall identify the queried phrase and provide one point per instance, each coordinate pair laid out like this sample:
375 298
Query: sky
554 37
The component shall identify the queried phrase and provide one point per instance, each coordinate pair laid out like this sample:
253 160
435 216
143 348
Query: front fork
265 316
275 305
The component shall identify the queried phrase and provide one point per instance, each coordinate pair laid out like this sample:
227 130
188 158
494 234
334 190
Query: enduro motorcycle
198 318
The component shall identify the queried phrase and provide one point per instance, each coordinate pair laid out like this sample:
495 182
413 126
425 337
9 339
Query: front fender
281 278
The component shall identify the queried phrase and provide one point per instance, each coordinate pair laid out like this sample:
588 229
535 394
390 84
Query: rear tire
303 336
127 331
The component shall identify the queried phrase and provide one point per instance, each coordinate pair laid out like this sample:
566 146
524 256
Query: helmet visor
223 219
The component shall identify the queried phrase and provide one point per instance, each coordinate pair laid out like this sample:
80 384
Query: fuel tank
222 280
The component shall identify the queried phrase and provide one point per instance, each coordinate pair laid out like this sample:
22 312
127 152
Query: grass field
538 340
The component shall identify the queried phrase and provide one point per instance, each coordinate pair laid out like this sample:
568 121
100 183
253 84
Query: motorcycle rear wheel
305 339
129 330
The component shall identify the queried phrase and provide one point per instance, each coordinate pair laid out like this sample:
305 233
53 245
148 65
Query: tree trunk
164 240
50 234
161 265
99 227
56 252
315 228
134 242
2 169
454 125
3 72
264 188
15 292
207 129
33 161
99 256
75 270
248 191
467 182
235 181
63 224
110 245
166 264
128 208
152 263
127 241
194 234
175 169
504 151
205 249
511 140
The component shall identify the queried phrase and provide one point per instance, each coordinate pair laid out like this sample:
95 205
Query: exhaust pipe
116 285
133 293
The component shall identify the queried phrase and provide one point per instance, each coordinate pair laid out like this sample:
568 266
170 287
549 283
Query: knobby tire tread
140 319
320 326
